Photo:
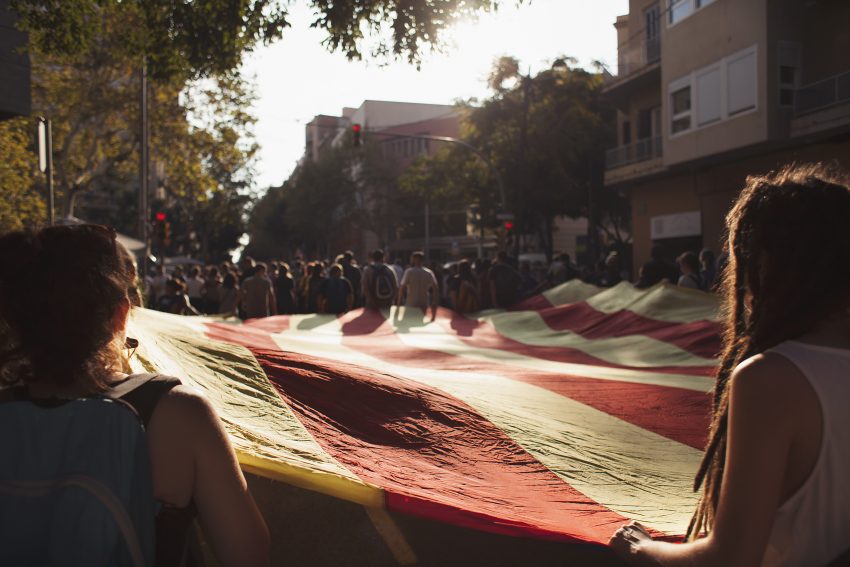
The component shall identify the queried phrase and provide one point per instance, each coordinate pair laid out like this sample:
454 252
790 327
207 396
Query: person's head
229 281
347 256
194 273
378 256
316 269
657 253
564 258
173 286
212 272
706 258
178 272
260 269
335 271
283 270
417 258
63 306
612 262
397 261
246 263
502 257
788 271
688 263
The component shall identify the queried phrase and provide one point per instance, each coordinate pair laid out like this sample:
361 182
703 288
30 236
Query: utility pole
143 162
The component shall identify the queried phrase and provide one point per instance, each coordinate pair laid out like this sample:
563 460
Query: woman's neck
831 332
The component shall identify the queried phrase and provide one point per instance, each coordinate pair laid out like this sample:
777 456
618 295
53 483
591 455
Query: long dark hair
789 255
60 289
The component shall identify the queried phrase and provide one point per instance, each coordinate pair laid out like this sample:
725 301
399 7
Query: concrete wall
707 36
376 114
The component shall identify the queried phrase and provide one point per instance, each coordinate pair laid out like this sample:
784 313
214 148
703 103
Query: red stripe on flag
435 456
484 335
678 414
701 338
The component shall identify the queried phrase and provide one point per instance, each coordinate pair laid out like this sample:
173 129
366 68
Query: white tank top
813 526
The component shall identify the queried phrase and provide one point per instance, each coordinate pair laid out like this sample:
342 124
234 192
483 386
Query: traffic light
355 133
509 232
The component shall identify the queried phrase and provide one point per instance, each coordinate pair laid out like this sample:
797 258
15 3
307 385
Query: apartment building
710 91
15 99
401 129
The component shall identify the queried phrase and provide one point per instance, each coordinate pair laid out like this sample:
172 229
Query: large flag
561 419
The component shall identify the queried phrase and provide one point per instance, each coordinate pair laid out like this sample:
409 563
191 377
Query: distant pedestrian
708 269
351 272
212 290
284 290
505 282
689 266
610 275
398 268
419 286
195 288
258 298
175 300
561 270
463 289
482 272
229 295
528 284
336 294
656 270
313 283
379 285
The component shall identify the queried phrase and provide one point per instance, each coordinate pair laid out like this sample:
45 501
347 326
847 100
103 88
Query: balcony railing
638 53
642 150
822 94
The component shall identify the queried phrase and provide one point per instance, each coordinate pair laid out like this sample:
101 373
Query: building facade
711 91
15 98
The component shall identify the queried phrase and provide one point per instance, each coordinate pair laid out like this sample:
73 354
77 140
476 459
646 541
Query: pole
50 189
143 159
427 232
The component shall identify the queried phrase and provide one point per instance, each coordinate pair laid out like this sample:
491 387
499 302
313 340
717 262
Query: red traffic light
160 217
355 128
509 225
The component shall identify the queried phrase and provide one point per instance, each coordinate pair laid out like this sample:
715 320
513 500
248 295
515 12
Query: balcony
822 106
642 150
638 67
638 53
822 94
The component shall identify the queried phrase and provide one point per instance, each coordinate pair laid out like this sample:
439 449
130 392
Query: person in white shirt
774 474
419 286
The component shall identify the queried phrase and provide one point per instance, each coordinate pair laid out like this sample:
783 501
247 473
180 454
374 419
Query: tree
21 205
203 38
547 135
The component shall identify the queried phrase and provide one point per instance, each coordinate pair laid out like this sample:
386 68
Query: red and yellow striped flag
561 419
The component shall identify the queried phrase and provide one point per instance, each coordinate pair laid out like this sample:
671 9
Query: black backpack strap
143 392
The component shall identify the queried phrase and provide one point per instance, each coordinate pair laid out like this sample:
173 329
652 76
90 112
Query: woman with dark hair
775 470
229 302
64 308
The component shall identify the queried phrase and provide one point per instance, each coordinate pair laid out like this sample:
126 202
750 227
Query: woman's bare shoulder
770 380
184 407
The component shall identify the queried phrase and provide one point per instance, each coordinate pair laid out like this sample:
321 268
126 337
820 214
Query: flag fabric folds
563 418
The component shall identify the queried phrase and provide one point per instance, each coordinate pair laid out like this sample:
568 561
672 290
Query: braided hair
789 269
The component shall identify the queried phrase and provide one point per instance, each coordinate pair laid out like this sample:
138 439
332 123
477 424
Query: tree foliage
203 38
21 205
546 134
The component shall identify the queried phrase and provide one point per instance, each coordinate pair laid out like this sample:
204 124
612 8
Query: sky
296 78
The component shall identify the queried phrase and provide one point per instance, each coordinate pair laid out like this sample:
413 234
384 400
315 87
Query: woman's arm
229 516
766 397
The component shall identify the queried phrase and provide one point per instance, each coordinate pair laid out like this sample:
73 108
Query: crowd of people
251 289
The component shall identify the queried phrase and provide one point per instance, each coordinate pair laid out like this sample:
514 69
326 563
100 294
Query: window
709 95
680 103
714 93
678 10
789 71
741 81
627 133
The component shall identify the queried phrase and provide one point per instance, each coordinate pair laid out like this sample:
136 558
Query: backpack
384 286
75 482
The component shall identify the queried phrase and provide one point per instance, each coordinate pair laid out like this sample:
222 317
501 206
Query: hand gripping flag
573 413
